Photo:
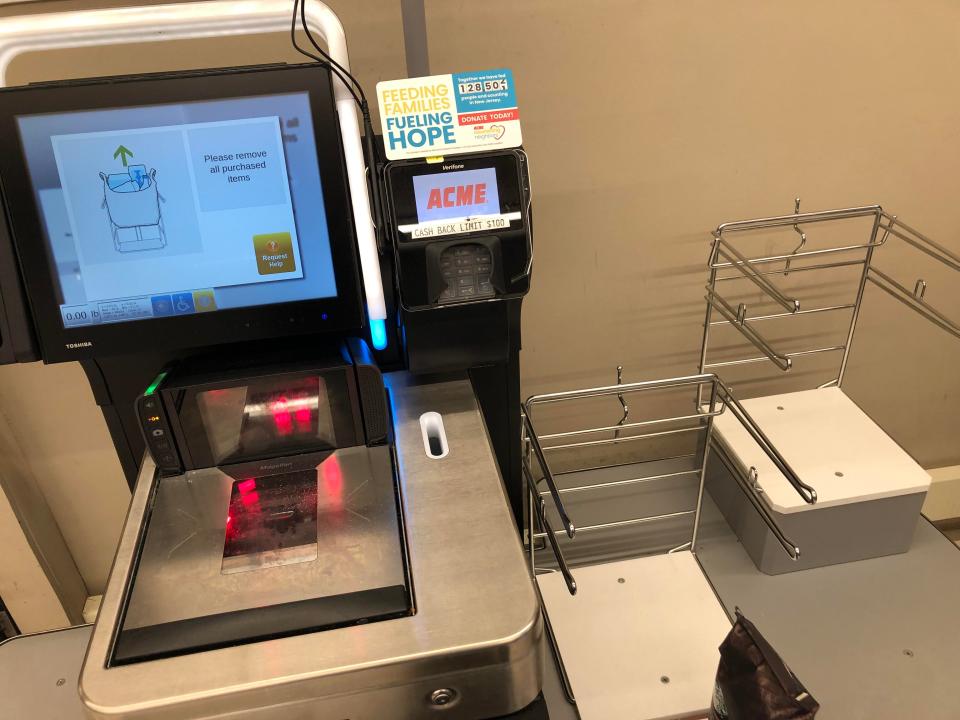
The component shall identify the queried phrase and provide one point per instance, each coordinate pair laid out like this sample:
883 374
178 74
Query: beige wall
51 416
648 123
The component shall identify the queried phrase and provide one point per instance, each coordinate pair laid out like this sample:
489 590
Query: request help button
274 253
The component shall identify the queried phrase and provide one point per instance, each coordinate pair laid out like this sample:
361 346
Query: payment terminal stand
461 234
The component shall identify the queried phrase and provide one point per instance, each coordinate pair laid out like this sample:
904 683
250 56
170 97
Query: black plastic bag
753 683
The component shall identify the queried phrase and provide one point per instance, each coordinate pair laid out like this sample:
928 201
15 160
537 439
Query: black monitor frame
58 343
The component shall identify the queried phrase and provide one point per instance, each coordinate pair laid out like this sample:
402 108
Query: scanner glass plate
268 415
229 559
271 521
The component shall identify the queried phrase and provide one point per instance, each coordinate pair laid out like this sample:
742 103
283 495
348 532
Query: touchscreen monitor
161 208
180 208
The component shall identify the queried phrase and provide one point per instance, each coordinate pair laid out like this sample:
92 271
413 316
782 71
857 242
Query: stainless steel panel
183 574
477 627
38 675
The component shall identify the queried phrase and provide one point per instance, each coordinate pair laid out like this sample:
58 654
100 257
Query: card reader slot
434 435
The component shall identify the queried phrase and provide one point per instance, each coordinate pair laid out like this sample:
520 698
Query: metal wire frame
723 255
720 400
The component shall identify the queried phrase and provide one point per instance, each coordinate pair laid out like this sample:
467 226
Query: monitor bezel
343 312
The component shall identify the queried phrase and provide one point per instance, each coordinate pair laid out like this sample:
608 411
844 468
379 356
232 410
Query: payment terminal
461 228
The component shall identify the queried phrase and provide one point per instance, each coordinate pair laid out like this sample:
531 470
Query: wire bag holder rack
541 479
871 489
602 477
729 264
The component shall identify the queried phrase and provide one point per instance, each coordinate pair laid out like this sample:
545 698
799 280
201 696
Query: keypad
466 271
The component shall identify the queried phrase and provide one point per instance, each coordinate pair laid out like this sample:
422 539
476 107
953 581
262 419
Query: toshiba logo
74 346
453 166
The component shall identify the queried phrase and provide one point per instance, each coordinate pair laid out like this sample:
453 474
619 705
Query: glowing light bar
357 176
155 384
378 334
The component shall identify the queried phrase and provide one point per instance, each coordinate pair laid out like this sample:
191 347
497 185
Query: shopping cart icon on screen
132 202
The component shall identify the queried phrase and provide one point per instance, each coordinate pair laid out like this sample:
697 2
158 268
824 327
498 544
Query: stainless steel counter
476 629
39 674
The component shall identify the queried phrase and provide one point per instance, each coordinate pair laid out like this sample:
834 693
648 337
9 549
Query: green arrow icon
123 152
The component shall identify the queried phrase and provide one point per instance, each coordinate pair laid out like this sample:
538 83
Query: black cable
351 83
341 71
326 60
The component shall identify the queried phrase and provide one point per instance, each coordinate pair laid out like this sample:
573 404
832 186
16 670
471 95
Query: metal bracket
801 233
623 403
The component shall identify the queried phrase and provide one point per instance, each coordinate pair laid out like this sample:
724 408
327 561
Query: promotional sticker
448 114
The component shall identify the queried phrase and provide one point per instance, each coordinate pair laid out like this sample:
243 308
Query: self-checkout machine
317 528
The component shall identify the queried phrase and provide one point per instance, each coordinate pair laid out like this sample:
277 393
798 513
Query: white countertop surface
829 442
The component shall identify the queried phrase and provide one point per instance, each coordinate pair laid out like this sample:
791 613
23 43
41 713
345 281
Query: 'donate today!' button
274 253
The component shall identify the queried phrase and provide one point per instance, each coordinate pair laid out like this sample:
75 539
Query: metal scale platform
470 644
230 559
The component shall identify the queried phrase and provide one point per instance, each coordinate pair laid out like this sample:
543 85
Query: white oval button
434 436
